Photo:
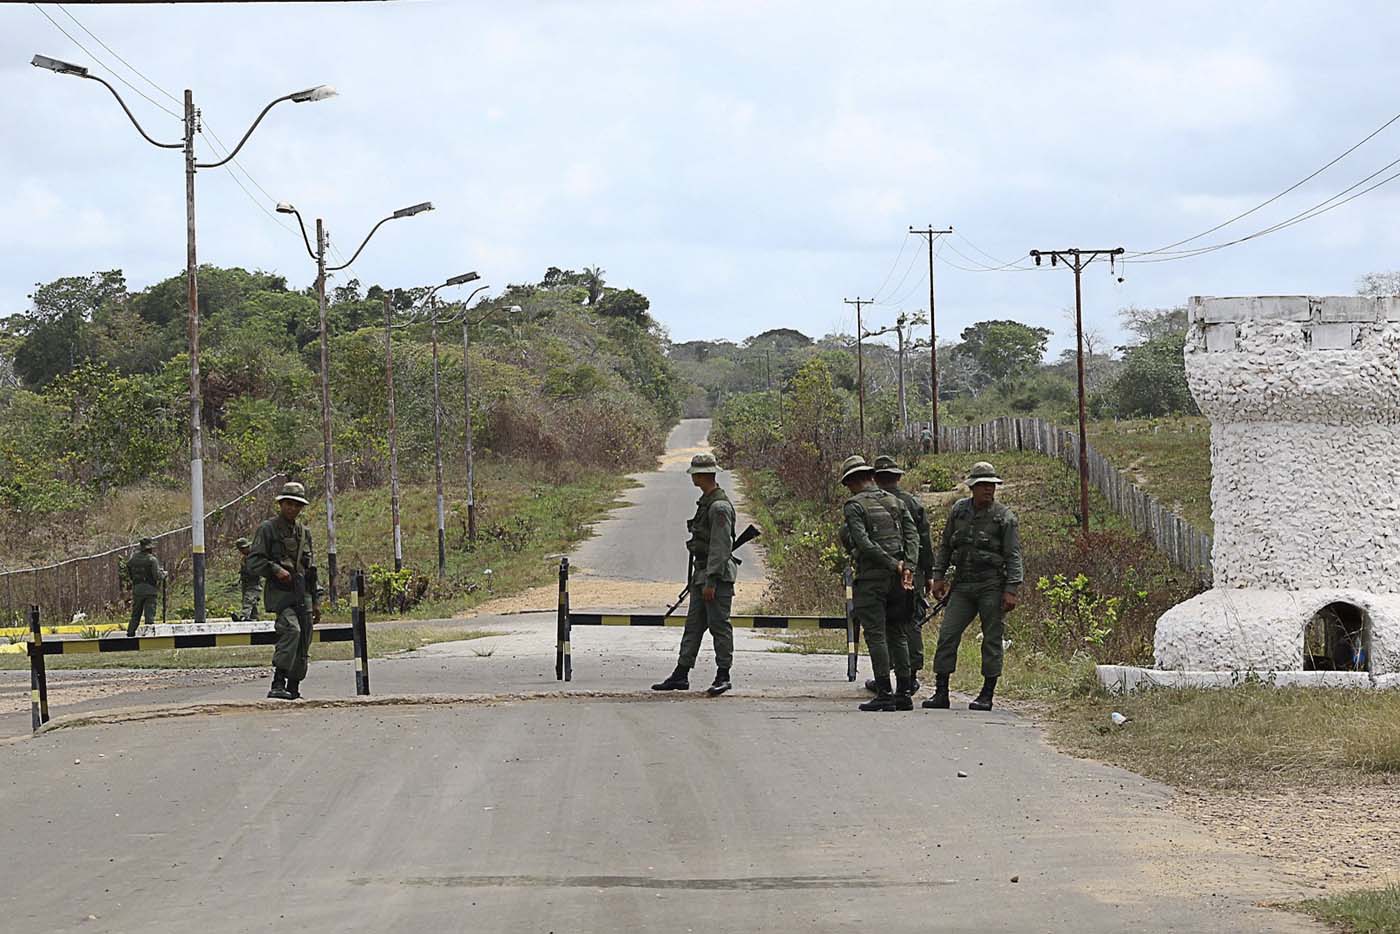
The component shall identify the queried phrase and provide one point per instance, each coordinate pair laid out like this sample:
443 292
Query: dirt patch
78 686
588 593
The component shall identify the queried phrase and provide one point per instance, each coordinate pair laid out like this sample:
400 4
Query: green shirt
983 544
279 543
879 532
920 516
712 539
146 574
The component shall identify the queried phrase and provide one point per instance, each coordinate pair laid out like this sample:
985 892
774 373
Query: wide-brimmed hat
148 544
853 465
243 543
293 491
983 472
886 464
703 463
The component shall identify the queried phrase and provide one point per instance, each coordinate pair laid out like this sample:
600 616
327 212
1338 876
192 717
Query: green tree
628 304
1004 349
1153 379
56 334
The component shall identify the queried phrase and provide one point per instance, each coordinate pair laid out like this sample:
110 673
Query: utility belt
977 561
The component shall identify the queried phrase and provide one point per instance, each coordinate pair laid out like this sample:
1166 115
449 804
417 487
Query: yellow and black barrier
563 666
39 649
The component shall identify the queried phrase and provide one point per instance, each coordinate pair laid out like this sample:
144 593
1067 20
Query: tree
56 333
593 281
626 303
1151 323
1376 284
1004 349
1153 379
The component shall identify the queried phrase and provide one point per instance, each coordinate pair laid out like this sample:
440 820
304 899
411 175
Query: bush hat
293 491
243 543
983 472
855 464
886 464
148 544
703 463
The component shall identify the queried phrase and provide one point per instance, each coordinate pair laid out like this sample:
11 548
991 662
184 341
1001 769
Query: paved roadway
505 806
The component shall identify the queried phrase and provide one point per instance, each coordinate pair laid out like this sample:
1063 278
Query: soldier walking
146 575
249 583
880 535
887 474
712 573
281 555
982 543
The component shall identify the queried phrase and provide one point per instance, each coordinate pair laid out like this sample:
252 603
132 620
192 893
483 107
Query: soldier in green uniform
249 583
281 555
712 573
887 474
146 574
983 544
880 535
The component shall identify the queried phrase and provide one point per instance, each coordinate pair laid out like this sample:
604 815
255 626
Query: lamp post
191 126
319 255
467 395
437 418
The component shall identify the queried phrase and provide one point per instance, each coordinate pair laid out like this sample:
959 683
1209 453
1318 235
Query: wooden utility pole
860 363
1076 259
930 232
393 432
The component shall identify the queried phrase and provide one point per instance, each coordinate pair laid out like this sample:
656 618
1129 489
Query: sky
746 165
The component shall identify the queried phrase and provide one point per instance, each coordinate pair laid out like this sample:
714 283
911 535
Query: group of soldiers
278 566
899 574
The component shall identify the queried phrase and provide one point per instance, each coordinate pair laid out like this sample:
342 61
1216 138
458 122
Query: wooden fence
1186 546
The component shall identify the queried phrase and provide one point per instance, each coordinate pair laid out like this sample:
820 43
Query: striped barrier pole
38 677
563 658
361 634
852 628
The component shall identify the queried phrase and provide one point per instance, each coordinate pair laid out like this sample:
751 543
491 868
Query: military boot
883 699
939 700
294 688
872 685
279 686
983 701
721 683
679 680
903 692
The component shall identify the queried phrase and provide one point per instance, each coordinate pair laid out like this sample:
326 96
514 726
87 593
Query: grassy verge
1168 457
383 641
1365 912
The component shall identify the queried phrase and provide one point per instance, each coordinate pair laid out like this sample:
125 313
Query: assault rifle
744 537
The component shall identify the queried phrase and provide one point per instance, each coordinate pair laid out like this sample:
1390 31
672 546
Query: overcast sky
747 165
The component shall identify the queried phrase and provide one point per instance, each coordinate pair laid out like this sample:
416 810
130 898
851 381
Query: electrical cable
903 244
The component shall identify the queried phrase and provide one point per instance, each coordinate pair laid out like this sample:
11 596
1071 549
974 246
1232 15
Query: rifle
746 536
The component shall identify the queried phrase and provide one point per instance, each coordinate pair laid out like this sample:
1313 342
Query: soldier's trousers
881 608
293 642
712 616
252 596
968 601
141 606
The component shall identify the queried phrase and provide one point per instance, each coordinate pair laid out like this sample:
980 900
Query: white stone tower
1303 397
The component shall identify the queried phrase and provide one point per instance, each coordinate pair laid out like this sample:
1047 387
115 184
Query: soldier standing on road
249 583
281 554
146 574
983 544
881 537
887 474
712 573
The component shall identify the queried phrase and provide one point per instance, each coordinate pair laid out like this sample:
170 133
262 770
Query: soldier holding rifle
146 577
281 555
712 574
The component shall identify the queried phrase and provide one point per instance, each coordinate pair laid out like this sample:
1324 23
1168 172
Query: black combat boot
903 693
721 683
883 699
983 701
279 686
872 685
939 700
678 681
294 688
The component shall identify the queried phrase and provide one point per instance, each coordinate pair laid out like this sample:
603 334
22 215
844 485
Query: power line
103 65
902 245
118 57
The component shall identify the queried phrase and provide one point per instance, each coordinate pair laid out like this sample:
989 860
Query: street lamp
191 124
467 395
319 255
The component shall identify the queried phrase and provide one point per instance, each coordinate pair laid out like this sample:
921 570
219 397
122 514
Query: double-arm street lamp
319 255
191 121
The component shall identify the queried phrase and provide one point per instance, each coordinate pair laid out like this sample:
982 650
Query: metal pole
932 347
393 433
437 452
852 634
467 412
1083 434
38 674
357 584
326 408
561 653
196 402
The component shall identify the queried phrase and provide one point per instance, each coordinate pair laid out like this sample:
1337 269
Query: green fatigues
879 533
250 586
145 572
918 602
288 545
985 549
711 547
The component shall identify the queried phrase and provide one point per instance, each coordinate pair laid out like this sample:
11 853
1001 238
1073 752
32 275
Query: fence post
852 629
38 677
359 635
563 657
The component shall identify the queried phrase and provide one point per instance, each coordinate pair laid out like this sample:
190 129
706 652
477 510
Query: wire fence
1184 545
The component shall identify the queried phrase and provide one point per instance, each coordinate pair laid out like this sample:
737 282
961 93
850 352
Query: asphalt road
483 798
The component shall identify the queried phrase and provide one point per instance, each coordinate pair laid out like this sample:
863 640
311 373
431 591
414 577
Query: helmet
886 464
855 464
293 491
982 472
703 463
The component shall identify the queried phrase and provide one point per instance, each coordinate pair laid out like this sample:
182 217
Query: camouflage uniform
918 604
294 604
249 584
146 574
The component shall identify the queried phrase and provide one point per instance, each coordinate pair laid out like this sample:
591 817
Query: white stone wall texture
1303 395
